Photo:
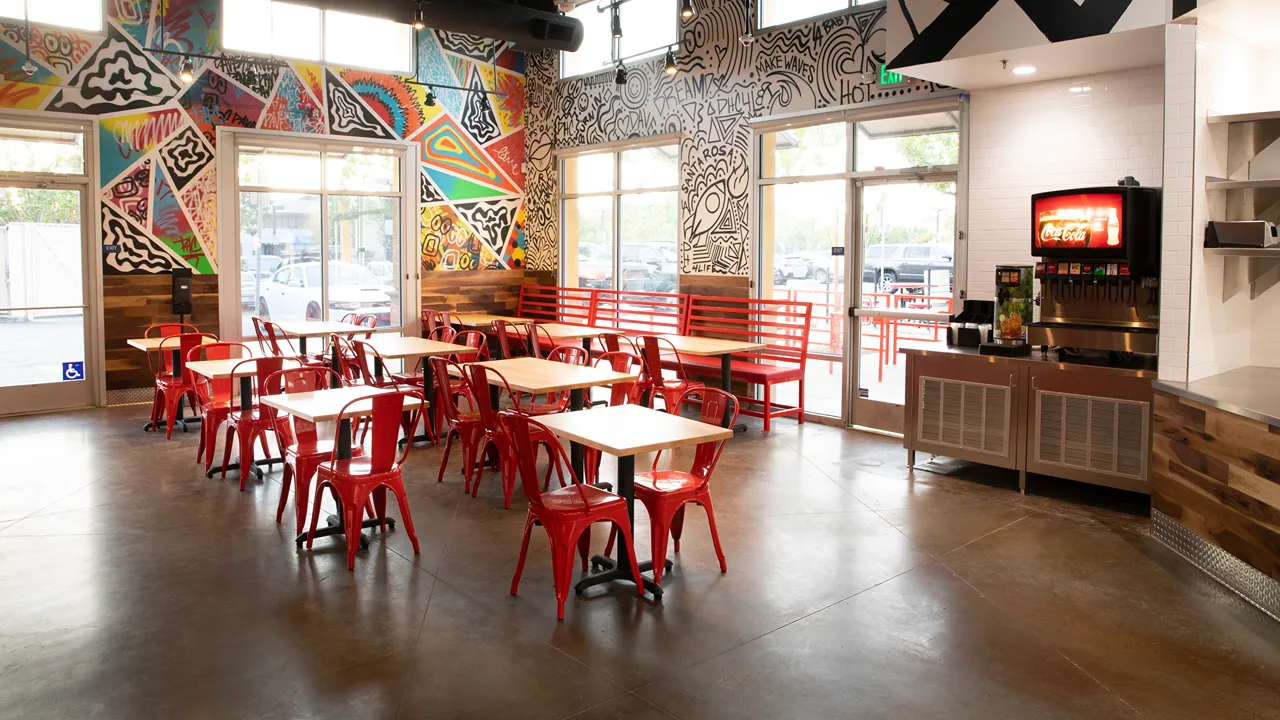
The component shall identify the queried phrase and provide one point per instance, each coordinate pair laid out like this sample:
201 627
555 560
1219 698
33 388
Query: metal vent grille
964 415
1090 433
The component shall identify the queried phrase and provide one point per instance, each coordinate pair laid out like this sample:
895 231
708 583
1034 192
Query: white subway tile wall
1032 138
1179 136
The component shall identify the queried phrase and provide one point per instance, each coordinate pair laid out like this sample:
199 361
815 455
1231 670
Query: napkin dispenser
1242 234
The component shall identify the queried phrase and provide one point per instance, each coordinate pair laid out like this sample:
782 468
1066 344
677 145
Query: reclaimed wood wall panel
130 303
1218 474
487 291
734 286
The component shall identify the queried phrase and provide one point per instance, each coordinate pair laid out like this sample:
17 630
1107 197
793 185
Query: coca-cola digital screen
1085 221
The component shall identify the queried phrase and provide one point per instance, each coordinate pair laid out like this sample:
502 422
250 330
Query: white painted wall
1032 138
1231 77
1178 182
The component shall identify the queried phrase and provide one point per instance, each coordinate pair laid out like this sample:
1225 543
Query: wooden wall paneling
1218 474
130 303
734 286
488 291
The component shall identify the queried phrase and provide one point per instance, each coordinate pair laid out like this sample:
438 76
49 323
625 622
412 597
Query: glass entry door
906 265
43 329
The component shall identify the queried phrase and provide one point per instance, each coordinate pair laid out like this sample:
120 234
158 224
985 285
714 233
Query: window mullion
617 220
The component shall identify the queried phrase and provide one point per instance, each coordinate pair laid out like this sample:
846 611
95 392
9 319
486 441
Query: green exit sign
889 77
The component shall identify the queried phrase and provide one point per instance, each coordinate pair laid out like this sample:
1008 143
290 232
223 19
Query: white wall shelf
1261 270
1219 185
1244 117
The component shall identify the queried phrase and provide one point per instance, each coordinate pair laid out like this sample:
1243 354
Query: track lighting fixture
616 23
188 72
686 9
620 77
29 67
670 67
430 98
418 23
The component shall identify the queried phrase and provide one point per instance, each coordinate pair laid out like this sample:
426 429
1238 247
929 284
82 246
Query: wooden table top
221 369
560 331
631 429
318 328
326 405
706 347
537 376
153 343
398 347
478 320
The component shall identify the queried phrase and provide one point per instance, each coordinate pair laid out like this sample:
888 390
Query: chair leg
212 429
284 491
801 399
171 401
608 546
524 551
315 512
301 492
405 517
622 524
380 506
352 515
226 448
677 526
705 500
246 453
562 569
584 547
659 532
204 434
444 460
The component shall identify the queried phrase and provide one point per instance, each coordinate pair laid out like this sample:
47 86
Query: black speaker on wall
182 291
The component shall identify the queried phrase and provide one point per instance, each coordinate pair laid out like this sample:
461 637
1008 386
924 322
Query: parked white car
293 293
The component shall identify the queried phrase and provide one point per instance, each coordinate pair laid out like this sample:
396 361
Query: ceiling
1074 58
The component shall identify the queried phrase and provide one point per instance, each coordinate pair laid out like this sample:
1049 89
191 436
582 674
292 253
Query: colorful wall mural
157 136
721 85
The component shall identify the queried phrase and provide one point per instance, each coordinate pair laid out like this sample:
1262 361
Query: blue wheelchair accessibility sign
73 370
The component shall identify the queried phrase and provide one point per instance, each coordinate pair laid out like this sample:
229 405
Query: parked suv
885 265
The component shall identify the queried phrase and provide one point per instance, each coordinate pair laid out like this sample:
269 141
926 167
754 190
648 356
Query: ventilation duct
530 25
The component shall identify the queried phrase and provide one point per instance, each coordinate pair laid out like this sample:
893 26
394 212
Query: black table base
180 423
335 528
257 467
726 384
612 571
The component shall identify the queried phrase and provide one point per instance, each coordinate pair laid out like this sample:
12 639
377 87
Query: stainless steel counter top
1252 392
1036 357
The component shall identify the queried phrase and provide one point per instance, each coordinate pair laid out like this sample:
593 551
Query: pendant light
418 23
686 9
188 72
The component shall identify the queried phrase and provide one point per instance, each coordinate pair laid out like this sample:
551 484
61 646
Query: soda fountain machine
1098 264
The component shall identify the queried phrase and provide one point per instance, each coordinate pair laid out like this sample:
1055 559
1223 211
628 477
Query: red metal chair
171 387
617 342
278 343
303 450
430 319
216 396
473 339
468 427
555 402
513 338
669 388
369 321
495 437
443 333
355 480
619 394
389 381
665 493
252 424
566 513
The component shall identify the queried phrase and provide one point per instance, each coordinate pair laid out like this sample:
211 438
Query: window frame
407 71
757 9
231 140
617 194
102 20
615 44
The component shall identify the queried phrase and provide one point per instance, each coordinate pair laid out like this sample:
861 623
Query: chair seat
358 468
662 482
566 499
542 408
254 415
747 370
317 447
168 381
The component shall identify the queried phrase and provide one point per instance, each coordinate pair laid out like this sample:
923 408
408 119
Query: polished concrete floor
132 587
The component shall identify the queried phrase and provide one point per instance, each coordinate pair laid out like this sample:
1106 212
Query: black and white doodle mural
929 31
347 115
723 83
185 156
116 77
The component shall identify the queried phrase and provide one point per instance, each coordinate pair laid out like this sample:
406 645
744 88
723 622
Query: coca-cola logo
1065 232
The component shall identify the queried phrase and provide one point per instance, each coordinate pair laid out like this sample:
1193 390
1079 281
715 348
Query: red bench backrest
568 305
641 312
782 325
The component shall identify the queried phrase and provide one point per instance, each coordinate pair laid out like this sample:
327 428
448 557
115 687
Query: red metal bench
782 325
552 304
641 313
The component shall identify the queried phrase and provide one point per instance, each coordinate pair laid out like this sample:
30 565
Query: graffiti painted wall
723 83
157 136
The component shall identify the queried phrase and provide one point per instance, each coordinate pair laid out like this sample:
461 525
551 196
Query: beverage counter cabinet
1033 414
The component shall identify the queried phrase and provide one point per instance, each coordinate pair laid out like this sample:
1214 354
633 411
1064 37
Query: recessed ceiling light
1079 89
1024 69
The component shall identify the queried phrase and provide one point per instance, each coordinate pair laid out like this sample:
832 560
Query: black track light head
670 66
615 22
686 9
620 77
